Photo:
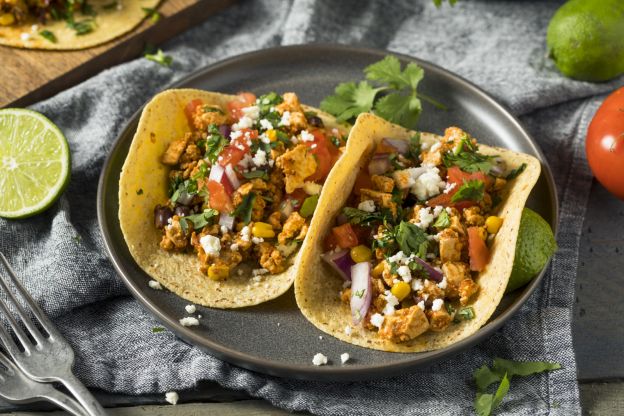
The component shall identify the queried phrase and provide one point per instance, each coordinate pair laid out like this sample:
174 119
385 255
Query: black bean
182 211
315 121
162 214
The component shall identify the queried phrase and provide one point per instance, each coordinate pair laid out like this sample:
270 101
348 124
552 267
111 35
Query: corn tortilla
317 287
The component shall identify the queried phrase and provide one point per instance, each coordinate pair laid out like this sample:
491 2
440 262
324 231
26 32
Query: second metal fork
49 358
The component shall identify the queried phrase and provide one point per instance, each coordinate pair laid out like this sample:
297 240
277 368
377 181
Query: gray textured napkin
497 45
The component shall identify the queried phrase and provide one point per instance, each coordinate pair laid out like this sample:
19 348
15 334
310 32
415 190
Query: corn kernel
218 272
263 230
400 290
272 135
378 269
361 253
493 224
7 19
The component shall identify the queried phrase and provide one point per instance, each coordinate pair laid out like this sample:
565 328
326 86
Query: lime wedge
34 163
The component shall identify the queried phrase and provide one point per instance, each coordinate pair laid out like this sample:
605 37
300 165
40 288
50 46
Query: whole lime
585 39
536 243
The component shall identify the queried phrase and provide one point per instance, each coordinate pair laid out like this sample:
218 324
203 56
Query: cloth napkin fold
498 45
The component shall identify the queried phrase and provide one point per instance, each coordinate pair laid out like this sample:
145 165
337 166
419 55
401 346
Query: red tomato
477 250
362 181
330 242
345 236
458 177
242 100
219 199
189 110
445 201
604 145
325 153
233 152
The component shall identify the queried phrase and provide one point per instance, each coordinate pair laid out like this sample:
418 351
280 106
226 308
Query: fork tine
8 343
13 323
29 300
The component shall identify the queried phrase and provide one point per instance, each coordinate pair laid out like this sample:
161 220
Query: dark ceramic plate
274 338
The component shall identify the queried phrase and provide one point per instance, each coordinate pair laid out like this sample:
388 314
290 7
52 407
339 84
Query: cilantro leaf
243 211
350 99
438 3
215 143
472 190
411 239
159 57
485 402
484 377
200 220
82 27
465 314
46 34
400 109
152 14
258 173
158 329
523 368
388 71
467 158
414 147
357 216
515 172
442 221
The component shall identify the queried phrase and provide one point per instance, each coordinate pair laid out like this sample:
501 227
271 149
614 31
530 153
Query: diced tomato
298 195
345 236
330 243
233 152
445 201
219 198
477 250
325 153
362 181
458 177
242 100
190 109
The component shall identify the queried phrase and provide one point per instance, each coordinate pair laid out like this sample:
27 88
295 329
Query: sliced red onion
225 130
401 146
226 221
379 164
216 173
231 175
434 275
340 261
361 291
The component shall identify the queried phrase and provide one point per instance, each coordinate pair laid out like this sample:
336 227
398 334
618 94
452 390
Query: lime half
34 163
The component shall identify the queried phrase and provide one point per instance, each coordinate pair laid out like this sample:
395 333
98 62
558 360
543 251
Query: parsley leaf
159 57
350 99
472 190
515 172
411 239
243 211
46 34
200 220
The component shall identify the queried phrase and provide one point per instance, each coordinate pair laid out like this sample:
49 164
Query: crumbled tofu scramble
421 216
244 182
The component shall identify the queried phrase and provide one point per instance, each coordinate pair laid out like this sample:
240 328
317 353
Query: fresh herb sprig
393 95
151 14
467 158
159 57
472 190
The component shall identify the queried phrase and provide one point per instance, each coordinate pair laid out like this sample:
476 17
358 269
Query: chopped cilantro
82 27
414 147
215 142
46 34
335 140
200 220
350 99
464 314
357 216
243 211
472 190
442 221
152 14
467 158
158 329
202 171
88 10
411 239
187 187
515 172
252 174
159 57
438 3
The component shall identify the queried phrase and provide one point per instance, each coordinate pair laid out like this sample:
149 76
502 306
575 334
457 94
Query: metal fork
18 388
49 358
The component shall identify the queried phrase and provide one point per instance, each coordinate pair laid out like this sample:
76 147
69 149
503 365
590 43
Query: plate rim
309 372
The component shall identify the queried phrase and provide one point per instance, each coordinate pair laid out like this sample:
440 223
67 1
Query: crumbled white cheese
189 321
34 28
224 229
236 134
437 304
427 183
257 240
344 357
233 247
311 188
417 284
259 272
391 302
25 36
246 161
442 284
190 308
377 320
397 258
306 136
285 120
347 330
426 141
266 124
244 123
367 206
313 146
172 397
260 158
245 233
421 305
405 273
425 218
253 112
294 140
154 285
437 210
319 359
210 244
449 187
264 138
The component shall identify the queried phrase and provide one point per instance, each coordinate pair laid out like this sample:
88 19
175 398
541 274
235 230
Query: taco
217 192
417 256
65 24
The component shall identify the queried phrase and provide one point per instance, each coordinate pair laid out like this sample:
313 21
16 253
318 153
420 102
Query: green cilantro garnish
253 174
209 109
438 3
396 98
202 171
152 14
159 57
82 27
243 211
158 329
357 216
215 142
442 221
464 314
46 34
472 190
467 158
515 172
503 371
200 220
88 10
411 239
414 147
188 187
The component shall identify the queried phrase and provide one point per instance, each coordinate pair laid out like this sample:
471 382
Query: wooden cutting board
28 76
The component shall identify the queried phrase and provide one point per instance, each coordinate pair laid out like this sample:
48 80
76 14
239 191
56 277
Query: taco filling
244 183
